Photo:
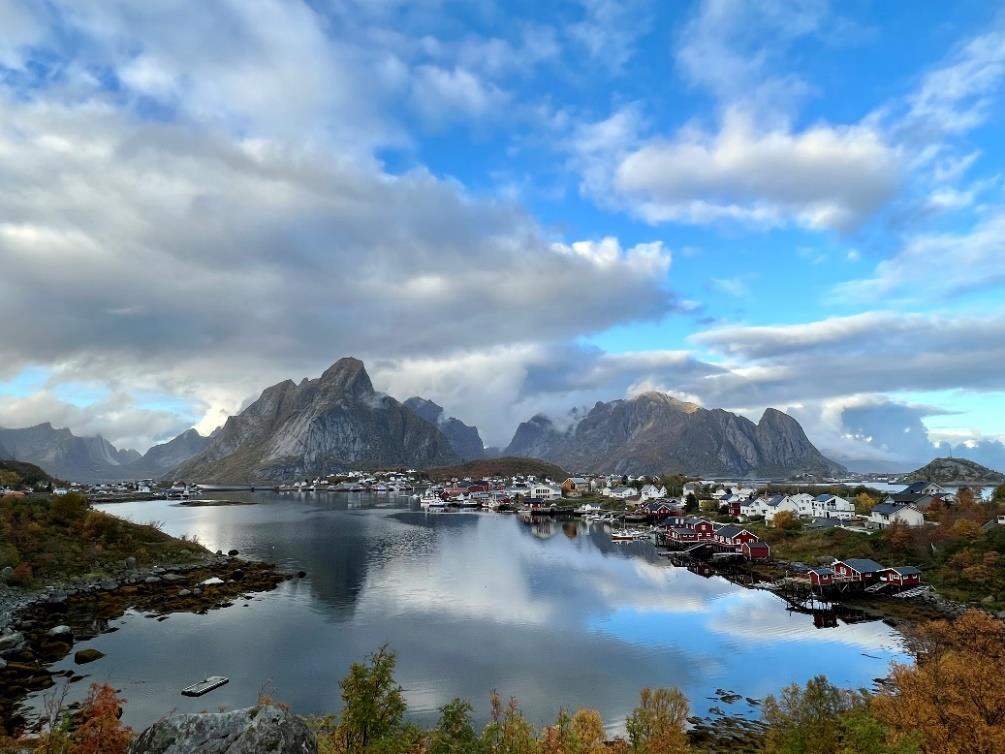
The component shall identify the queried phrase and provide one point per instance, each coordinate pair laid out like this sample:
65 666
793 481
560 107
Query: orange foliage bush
101 731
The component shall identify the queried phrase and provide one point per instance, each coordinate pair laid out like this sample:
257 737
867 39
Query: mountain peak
347 375
659 396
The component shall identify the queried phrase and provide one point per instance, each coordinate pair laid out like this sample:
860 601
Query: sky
507 207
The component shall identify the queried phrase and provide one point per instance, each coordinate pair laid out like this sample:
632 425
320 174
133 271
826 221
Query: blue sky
507 207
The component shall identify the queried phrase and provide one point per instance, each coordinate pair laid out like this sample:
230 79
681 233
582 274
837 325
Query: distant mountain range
955 471
338 422
93 459
335 422
655 433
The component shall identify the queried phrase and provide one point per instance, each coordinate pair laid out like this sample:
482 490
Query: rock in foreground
256 730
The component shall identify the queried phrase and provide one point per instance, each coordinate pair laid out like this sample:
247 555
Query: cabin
755 550
901 576
821 576
733 536
623 493
859 570
692 529
883 515
659 509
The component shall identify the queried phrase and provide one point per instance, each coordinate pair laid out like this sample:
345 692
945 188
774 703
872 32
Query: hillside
503 467
654 433
16 473
955 471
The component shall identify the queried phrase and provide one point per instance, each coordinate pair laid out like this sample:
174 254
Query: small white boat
623 535
205 686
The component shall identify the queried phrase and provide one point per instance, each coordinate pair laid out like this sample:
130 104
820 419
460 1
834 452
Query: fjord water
555 615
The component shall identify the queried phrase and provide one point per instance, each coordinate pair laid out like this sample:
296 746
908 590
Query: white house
804 501
543 491
778 503
651 492
832 506
622 493
886 514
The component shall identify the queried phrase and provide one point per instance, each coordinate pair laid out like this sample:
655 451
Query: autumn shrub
22 575
657 725
100 731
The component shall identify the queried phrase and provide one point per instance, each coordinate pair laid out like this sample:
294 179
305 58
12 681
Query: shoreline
40 628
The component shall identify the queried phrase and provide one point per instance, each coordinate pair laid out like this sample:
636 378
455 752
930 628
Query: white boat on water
622 535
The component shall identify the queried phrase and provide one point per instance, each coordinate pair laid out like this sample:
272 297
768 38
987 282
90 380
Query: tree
953 698
588 728
374 705
508 731
999 494
966 528
806 721
454 734
656 726
786 521
691 502
864 503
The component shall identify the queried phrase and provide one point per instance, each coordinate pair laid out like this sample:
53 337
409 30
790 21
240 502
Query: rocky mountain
162 458
336 421
4 453
955 471
64 455
990 453
655 433
463 438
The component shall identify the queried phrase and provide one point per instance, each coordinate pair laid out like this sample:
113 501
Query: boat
205 686
623 535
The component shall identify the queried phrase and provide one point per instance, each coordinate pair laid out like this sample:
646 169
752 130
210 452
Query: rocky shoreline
41 628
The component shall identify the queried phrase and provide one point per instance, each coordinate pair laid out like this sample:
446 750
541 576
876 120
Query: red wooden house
755 550
857 570
821 576
731 535
901 576
692 529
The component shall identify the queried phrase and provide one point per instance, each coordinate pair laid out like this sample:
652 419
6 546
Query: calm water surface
555 615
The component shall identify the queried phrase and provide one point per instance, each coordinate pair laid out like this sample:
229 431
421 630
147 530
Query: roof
824 498
730 530
888 509
822 571
905 570
863 565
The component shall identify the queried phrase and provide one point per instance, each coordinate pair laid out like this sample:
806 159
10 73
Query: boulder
7 575
255 730
84 656
130 563
59 631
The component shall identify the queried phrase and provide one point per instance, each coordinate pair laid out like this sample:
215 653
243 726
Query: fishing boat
623 535
205 686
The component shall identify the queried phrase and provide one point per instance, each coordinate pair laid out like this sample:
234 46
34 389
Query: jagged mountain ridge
463 438
655 433
317 426
93 459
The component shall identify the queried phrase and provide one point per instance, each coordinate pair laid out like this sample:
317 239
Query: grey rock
338 420
255 730
172 577
6 575
152 580
184 592
60 631
654 433
3 664
11 641
464 439
130 563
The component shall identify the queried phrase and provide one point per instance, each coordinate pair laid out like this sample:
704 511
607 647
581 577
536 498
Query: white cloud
824 177
933 265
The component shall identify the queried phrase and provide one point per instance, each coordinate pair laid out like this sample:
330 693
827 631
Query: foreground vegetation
49 538
951 701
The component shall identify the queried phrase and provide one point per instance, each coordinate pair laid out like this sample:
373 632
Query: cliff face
463 438
655 433
334 422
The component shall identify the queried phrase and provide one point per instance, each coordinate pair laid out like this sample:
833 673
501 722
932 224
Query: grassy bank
45 539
